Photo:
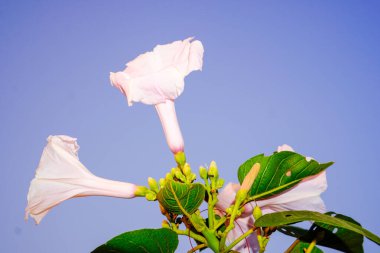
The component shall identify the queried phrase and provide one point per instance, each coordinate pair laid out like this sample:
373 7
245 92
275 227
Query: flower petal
284 147
156 76
250 243
61 176
303 196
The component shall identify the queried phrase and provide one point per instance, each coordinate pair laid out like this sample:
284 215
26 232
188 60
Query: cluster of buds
211 177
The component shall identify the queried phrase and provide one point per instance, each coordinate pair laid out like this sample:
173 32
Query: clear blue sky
305 73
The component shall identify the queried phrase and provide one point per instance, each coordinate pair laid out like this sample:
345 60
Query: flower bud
180 158
162 182
192 177
203 172
213 170
173 171
153 184
151 196
168 176
180 176
250 177
219 183
186 169
257 212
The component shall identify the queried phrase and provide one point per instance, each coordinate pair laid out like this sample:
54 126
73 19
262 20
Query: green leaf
279 172
161 240
329 235
289 217
176 196
302 246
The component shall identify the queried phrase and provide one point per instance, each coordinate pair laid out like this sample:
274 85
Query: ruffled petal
156 76
61 176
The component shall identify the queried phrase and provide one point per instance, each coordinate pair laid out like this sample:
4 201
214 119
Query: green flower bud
180 176
173 171
213 170
186 169
180 158
203 172
257 212
162 182
219 183
153 184
192 177
151 196
169 176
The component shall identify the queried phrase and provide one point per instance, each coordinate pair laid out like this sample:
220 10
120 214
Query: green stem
211 204
239 198
239 239
311 246
190 233
220 223
212 240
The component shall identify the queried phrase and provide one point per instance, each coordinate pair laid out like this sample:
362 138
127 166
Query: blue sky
305 73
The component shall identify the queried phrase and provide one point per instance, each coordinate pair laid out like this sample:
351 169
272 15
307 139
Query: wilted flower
61 176
303 196
157 78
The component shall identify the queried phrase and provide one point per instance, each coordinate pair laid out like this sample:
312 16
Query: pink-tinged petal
227 196
303 196
121 81
250 243
195 57
168 117
156 76
284 147
61 176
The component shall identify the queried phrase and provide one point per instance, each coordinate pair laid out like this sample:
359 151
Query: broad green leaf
279 172
161 240
176 195
289 217
329 235
302 246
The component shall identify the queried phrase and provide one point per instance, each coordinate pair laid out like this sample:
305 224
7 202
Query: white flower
303 196
157 78
61 176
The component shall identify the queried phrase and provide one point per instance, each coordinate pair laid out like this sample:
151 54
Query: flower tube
157 78
61 176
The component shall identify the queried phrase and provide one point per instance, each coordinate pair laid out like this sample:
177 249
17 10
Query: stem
190 233
239 198
211 215
311 246
200 246
292 246
240 238
212 241
220 223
